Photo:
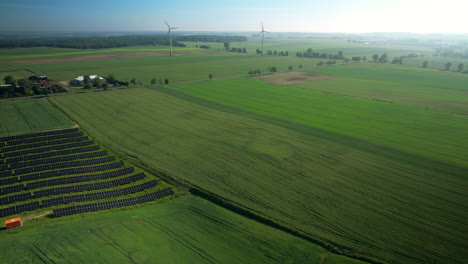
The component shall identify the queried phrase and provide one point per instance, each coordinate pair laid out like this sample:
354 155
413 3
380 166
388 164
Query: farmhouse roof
92 77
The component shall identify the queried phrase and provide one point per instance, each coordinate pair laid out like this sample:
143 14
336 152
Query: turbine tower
263 33
169 33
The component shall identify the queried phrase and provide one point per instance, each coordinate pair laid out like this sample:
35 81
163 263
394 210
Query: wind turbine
263 34
169 33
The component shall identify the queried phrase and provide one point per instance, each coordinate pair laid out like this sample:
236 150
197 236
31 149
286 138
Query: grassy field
366 197
27 116
396 126
183 230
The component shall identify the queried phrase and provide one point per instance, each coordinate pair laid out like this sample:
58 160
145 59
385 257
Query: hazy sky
420 16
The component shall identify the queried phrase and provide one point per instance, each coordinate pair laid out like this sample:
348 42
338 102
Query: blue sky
420 16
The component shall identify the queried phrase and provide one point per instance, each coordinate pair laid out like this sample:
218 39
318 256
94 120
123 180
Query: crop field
27 116
360 183
183 230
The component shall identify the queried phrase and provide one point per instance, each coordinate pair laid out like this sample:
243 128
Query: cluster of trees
227 47
211 38
272 69
25 87
358 58
155 81
274 52
381 59
309 53
254 72
204 46
448 65
328 63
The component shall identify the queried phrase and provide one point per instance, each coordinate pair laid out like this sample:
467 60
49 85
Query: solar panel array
58 159
81 178
15 198
98 195
46 138
52 154
45 143
45 149
61 165
49 174
89 186
19 209
112 204
39 134
55 154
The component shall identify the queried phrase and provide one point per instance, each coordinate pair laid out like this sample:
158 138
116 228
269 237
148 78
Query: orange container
15 222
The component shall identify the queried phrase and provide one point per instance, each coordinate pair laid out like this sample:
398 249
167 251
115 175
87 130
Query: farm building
37 79
79 80
15 222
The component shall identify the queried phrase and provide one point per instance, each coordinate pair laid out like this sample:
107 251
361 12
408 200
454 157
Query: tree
383 58
87 80
161 81
97 82
340 55
9 80
300 66
166 81
448 65
111 79
154 81
424 64
105 86
375 57
460 67
45 91
133 81
210 76
244 50
227 46
364 58
251 72
87 86
320 63
290 68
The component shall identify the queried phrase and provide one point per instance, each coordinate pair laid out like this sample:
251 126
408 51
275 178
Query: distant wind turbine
263 33
169 33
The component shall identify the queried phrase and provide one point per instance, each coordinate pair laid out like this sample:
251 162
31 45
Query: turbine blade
262 27
167 24
175 28
260 33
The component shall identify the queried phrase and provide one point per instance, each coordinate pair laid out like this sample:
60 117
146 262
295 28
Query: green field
183 230
27 116
265 151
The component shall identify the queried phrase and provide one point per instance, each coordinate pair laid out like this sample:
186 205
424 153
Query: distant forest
113 42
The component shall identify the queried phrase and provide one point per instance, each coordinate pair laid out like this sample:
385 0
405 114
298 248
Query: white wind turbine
263 34
169 33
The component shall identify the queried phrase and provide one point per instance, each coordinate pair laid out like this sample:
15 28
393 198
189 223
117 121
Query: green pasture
400 127
261 147
430 98
28 116
184 230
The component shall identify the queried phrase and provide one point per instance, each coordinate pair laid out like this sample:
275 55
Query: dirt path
109 57
286 78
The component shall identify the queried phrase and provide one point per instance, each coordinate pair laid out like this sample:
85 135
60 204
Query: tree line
309 53
112 42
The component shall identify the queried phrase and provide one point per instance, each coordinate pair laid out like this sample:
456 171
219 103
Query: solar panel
4 174
43 144
11 189
46 149
45 138
8 181
39 134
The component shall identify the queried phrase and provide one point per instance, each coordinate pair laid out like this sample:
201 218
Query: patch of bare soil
108 57
292 77
39 215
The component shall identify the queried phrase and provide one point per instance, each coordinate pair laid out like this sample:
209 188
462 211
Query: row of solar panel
46 149
58 159
2 144
46 138
61 165
8 181
79 188
49 174
81 178
15 198
44 144
98 195
40 134
52 154
112 204
89 186
19 209
4 174
11 189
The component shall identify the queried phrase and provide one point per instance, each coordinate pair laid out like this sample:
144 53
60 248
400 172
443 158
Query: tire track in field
99 233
